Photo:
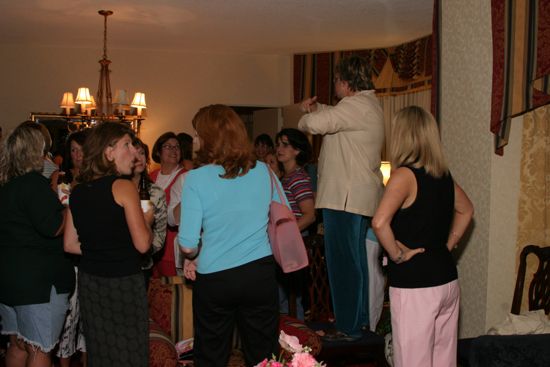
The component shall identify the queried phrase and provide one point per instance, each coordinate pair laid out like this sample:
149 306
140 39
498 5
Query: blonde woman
36 277
421 217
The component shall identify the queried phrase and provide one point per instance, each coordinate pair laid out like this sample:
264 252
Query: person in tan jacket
350 187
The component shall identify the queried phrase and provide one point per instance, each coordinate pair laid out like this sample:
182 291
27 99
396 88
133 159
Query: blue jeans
346 255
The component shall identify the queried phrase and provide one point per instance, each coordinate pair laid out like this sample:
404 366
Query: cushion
305 335
170 306
162 352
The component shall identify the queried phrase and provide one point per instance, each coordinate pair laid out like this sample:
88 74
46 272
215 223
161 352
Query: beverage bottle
144 196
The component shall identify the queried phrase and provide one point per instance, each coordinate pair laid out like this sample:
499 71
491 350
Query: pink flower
276 364
290 343
262 363
303 360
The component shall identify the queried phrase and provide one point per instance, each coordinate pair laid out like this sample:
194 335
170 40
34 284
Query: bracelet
191 258
399 258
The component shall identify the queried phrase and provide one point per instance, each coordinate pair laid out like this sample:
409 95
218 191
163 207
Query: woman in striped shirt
293 152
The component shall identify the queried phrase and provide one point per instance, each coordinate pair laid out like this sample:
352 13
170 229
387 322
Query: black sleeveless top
107 247
425 223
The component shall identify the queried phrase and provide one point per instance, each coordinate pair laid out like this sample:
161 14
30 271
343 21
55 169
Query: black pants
246 297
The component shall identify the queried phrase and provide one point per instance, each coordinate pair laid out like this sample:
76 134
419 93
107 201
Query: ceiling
241 26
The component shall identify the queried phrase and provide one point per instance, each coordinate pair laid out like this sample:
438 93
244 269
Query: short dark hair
138 143
186 145
78 137
157 147
298 140
264 139
356 71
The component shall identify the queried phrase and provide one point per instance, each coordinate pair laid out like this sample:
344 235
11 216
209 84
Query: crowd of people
85 237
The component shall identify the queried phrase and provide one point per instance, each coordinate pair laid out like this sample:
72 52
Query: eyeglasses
170 147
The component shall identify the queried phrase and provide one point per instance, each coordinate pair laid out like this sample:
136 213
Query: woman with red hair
224 206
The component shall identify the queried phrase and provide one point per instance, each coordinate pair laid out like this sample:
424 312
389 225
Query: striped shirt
297 188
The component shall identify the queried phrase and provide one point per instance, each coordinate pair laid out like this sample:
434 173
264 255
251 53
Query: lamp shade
139 100
385 167
83 96
67 101
121 97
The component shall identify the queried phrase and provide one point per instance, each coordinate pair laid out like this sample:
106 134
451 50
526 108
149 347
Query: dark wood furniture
538 294
516 350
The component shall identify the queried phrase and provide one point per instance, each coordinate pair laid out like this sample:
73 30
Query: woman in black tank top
421 217
106 226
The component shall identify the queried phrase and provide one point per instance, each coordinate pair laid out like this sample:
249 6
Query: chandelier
85 110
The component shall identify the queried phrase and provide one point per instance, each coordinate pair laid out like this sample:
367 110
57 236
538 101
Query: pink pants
424 325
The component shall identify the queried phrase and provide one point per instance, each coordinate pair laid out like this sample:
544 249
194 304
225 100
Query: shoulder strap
153 175
182 170
274 183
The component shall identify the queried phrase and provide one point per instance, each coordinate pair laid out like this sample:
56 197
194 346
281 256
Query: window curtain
521 62
391 104
534 195
401 74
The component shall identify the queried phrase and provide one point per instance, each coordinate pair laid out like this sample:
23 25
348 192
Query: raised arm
139 223
348 115
309 105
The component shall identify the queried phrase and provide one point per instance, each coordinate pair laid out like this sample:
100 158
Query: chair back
539 288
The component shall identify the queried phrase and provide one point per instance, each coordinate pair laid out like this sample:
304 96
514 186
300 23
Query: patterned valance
395 70
521 62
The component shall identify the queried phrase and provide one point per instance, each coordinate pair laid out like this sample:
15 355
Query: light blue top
232 214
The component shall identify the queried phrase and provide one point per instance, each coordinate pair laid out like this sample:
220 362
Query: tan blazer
349 163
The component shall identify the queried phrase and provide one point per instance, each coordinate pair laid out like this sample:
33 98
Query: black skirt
114 313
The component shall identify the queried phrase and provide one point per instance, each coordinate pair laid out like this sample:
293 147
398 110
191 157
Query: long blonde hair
415 142
22 152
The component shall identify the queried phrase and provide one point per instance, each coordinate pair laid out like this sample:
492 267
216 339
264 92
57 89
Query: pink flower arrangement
301 356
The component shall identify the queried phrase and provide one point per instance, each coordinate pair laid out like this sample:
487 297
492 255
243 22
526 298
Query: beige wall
176 84
487 260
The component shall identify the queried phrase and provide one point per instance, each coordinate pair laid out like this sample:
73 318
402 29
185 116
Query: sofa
171 320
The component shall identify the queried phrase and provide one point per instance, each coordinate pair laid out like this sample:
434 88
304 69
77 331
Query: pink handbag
284 235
